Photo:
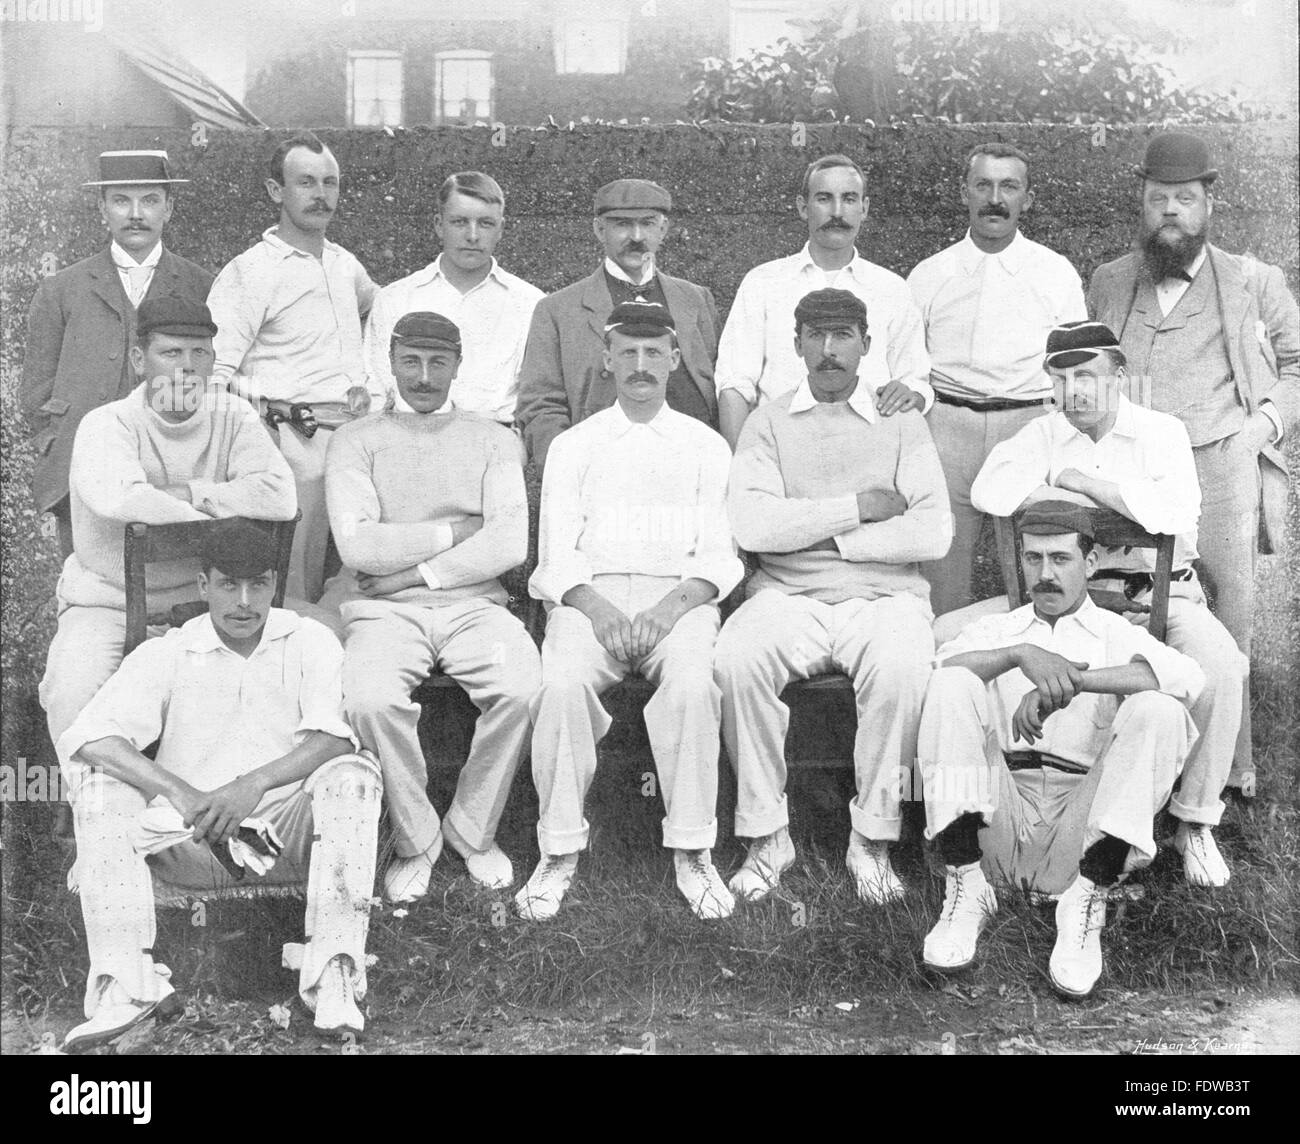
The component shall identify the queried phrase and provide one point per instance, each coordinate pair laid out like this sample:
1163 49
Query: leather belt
991 404
1032 760
1135 583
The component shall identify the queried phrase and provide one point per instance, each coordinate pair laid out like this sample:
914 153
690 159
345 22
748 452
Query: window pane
466 89
376 91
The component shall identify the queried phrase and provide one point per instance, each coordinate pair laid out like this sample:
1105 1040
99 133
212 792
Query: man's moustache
836 224
1045 588
828 366
994 212
642 375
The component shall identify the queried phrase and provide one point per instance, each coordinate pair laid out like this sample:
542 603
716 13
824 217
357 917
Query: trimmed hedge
733 188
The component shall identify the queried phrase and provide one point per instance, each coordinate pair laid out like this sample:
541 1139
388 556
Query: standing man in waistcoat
81 323
1216 339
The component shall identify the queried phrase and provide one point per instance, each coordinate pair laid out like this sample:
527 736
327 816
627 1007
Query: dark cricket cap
171 314
1073 342
641 320
632 195
428 330
1177 157
824 306
238 548
133 168
1052 517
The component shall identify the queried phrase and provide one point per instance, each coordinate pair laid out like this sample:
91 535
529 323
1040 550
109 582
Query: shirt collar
853 268
123 261
620 424
434 271
286 250
1087 616
201 635
614 270
861 400
1197 263
1012 259
1124 423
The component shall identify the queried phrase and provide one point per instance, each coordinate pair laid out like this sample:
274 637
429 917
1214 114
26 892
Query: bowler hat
1177 157
138 168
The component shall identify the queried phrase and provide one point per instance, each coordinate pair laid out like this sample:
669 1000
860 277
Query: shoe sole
948 970
1070 994
169 1008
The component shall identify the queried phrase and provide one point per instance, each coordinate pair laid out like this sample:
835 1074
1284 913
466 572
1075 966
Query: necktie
137 282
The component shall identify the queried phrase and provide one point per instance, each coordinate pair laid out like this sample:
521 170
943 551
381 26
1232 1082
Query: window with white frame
590 44
374 89
759 24
462 87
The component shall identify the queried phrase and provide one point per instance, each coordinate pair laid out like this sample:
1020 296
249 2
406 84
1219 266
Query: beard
1166 259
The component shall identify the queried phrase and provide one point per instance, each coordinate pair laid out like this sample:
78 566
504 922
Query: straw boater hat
133 168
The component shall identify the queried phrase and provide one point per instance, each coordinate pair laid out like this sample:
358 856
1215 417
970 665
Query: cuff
1269 410
747 389
426 570
202 495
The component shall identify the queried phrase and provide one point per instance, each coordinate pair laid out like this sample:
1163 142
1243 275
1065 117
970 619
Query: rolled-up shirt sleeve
560 565
132 703
320 692
1013 469
1177 675
909 360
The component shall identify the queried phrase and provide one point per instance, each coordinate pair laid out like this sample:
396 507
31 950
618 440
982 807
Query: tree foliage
1050 64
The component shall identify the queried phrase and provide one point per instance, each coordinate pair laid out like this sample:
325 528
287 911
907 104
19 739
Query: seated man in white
255 767
635 553
1102 448
428 507
838 503
176 448
1101 709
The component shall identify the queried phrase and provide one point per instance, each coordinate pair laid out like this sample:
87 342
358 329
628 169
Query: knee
953 685
685 685
1154 709
366 695
737 656
520 681
350 776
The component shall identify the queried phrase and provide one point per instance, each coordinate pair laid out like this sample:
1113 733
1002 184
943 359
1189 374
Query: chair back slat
146 544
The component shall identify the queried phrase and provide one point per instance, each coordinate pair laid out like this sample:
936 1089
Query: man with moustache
988 302
1101 709
1216 337
563 379
1105 450
176 448
428 508
255 773
838 503
289 311
465 283
81 323
756 363
635 554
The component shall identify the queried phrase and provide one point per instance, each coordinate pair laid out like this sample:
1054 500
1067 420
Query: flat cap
238 548
1052 517
172 314
823 306
428 330
641 320
632 195
1177 157
133 168
1073 342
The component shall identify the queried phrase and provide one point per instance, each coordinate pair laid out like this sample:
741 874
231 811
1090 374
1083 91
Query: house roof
183 82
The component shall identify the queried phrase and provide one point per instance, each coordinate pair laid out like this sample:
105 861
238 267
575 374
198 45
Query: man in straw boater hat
1216 338
256 780
1099 708
81 324
1102 448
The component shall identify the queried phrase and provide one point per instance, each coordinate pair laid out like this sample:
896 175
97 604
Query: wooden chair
153 543
1112 530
